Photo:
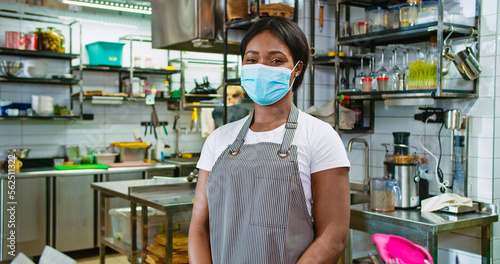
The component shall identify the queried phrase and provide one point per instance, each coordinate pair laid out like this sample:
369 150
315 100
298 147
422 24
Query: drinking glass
360 75
382 77
395 74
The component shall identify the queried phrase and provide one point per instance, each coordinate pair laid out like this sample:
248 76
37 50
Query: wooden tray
275 10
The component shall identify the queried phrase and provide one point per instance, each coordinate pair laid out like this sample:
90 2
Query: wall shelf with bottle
426 29
33 58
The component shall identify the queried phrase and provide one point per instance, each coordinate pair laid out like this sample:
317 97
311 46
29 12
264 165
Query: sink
358 197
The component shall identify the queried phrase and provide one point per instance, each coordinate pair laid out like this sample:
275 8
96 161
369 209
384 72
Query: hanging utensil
321 14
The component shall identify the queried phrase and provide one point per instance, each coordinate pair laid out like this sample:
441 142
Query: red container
30 41
13 40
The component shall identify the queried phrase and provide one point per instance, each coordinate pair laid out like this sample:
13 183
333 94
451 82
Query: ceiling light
110 6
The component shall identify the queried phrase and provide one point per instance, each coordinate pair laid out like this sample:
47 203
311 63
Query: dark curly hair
289 33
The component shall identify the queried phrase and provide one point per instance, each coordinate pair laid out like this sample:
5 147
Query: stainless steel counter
423 228
51 172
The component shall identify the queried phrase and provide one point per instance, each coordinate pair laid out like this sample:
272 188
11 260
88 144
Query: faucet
366 186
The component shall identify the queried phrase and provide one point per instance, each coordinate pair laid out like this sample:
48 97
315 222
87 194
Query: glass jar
393 17
39 34
409 13
51 41
376 17
363 27
61 41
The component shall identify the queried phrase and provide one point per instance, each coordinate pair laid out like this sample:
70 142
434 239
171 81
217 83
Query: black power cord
439 171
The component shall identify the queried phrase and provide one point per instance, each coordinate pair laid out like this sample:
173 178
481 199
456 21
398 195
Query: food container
13 40
366 84
131 151
363 27
51 41
105 53
382 83
409 13
377 18
427 12
120 223
393 17
104 158
30 41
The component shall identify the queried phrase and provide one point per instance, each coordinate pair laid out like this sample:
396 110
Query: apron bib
256 202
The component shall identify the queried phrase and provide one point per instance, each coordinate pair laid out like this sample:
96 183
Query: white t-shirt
319 147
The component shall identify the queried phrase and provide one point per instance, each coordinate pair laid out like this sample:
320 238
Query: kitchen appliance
191 25
401 165
459 124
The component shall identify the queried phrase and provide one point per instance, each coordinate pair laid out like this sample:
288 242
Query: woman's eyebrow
252 52
276 52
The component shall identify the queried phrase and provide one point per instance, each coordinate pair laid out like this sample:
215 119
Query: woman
260 175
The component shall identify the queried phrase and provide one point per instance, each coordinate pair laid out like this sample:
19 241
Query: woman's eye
250 60
276 61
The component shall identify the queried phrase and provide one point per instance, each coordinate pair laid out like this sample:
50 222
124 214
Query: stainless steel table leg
432 246
133 232
102 226
145 233
486 244
170 236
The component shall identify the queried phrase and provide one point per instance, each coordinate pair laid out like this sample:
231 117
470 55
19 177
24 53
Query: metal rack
405 35
70 23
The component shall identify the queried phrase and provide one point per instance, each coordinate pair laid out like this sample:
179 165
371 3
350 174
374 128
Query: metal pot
465 61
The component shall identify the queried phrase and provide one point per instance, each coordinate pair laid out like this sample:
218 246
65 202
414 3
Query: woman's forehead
267 42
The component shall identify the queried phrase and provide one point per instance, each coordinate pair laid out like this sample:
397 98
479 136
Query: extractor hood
191 25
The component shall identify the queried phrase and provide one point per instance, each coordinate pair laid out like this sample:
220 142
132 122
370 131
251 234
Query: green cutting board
81 167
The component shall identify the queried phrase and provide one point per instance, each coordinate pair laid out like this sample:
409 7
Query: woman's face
266 48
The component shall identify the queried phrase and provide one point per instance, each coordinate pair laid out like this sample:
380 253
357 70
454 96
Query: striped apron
256 202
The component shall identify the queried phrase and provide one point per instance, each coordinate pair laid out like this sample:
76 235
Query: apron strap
290 127
235 147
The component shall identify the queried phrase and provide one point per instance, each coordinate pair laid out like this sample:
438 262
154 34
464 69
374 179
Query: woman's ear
298 69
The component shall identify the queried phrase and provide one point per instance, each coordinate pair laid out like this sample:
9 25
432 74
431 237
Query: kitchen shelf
38 54
117 245
125 70
404 35
52 117
39 80
242 23
344 61
417 93
132 99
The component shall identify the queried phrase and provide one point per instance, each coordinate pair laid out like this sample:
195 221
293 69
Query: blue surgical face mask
266 85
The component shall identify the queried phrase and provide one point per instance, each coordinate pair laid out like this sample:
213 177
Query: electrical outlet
428 112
